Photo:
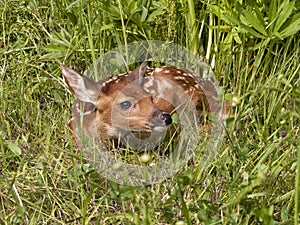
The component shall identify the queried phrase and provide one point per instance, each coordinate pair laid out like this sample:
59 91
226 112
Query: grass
253 180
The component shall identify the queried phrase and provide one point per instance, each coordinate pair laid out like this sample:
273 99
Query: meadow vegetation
253 48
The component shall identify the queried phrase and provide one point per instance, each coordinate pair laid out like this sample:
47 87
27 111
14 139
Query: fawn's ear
84 88
138 74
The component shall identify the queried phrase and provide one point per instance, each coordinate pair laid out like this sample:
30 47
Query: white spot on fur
190 75
149 72
148 83
77 107
122 74
191 89
157 70
179 78
152 92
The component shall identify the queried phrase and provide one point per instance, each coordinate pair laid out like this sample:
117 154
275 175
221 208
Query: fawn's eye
125 105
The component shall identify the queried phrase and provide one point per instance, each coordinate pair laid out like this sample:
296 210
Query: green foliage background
253 48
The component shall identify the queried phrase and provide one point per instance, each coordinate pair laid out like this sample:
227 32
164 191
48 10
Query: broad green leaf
254 22
2 132
231 19
252 31
61 41
292 27
260 17
133 7
144 14
53 55
72 18
14 148
272 11
154 14
284 13
112 12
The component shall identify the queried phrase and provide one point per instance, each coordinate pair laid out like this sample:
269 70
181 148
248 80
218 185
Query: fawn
137 103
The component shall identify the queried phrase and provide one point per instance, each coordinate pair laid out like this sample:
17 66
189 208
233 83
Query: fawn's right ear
84 88
138 74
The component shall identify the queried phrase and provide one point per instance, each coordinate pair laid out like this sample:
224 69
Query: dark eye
125 105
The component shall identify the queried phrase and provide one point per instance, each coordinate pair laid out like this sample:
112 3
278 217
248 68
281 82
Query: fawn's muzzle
160 121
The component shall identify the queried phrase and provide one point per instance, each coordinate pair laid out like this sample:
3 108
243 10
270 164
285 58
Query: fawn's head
117 105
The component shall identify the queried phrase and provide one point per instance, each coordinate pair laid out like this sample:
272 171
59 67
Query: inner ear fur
138 74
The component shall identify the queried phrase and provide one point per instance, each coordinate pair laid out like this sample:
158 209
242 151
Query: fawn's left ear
84 88
138 74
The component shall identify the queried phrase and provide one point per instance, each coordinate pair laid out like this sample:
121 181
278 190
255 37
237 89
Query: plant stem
192 26
124 33
297 188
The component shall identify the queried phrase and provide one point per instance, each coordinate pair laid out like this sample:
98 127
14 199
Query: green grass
253 180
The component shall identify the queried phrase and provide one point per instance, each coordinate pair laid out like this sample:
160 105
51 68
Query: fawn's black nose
161 118
166 118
